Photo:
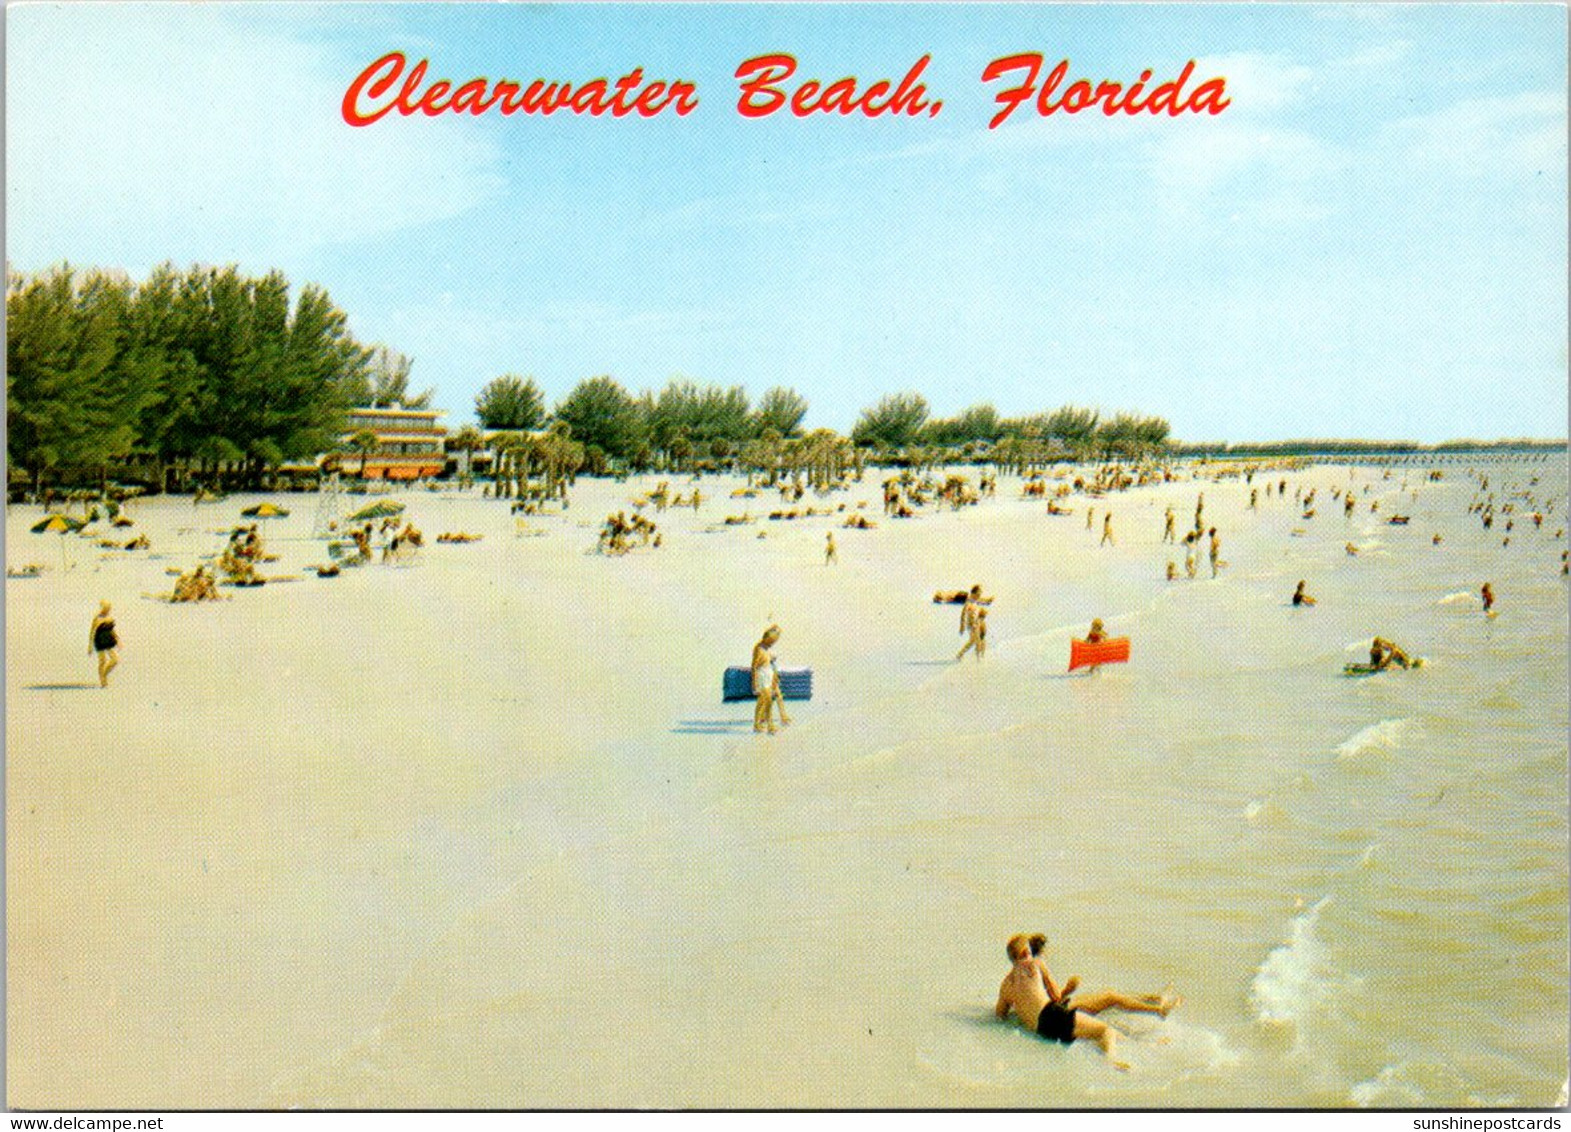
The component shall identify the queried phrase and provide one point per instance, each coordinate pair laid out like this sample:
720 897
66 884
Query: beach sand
476 830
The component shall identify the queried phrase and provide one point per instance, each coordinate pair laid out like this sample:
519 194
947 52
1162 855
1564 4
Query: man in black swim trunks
1024 992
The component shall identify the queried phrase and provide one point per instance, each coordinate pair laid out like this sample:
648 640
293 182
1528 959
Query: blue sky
1370 241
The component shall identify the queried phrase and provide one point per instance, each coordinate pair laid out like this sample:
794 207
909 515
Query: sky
1369 241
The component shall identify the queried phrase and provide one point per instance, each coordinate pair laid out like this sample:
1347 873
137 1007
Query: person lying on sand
960 597
1051 1015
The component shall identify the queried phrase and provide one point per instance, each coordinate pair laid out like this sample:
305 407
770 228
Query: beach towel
795 684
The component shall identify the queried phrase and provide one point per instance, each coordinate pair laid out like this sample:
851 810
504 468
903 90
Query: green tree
364 442
894 422
782 410
387 381
603 416
510 402
1075 428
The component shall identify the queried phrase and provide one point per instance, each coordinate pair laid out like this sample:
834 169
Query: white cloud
1377 55
1216 153
155 132
1524 132
1257 84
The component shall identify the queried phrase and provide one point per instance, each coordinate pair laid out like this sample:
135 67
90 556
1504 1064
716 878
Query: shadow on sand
712 726
61 687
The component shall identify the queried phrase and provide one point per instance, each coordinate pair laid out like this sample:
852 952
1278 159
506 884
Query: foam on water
1294 978
1383 737
1419 1084
1461 597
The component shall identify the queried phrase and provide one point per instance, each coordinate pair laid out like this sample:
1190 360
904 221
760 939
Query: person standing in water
766 682
1216 551
1107 530
1488 595
1167 530
102 640
830 553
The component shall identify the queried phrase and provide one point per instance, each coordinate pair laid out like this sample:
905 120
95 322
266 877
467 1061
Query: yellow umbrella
265 511
61 525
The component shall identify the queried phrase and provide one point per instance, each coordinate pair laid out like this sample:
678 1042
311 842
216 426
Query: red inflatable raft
1083 654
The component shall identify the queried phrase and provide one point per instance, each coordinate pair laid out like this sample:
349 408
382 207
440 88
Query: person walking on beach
1189 553
830 553
1107 530
1167 530
1488 595
1200 507
973 623
1216 551
102 640
1090 517
766 683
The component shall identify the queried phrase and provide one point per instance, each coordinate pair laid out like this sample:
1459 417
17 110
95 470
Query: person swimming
1383 654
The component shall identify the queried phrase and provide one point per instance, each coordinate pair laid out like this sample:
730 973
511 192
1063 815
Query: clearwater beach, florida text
769 85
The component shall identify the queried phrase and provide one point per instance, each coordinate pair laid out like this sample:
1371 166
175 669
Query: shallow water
1359 885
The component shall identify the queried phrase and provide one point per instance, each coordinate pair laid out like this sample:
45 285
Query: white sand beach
476 830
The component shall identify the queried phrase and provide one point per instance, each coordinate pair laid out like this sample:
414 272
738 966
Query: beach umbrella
265 511
381 509
61 525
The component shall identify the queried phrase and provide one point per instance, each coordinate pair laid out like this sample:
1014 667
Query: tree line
687 425
186 375
205 374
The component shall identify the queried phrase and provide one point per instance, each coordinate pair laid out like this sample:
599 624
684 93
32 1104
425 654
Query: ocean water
1359 885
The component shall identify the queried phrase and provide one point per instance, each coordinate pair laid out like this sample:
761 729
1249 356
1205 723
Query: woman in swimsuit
766 682
102 640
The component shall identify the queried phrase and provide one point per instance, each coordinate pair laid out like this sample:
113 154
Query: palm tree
364 442
466 440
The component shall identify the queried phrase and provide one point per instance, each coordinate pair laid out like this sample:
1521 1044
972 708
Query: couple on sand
1047 1010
